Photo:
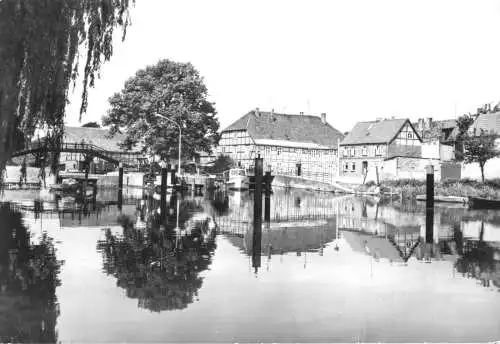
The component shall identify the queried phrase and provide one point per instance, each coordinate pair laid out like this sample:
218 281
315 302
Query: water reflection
157 265
358 261
29 275
385 230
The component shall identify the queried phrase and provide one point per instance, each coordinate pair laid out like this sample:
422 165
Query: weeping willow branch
39 44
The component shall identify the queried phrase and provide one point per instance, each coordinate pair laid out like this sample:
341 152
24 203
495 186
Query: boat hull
483 203
238 183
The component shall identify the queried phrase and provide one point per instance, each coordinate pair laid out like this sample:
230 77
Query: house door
365 167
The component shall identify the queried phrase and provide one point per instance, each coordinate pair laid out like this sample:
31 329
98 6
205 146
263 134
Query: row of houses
309 147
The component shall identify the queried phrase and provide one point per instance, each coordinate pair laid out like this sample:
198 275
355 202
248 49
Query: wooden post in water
429 200
267 192
172 175
430 186
257 216
163 189
120 185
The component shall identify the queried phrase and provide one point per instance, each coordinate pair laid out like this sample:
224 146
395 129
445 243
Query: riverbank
409 188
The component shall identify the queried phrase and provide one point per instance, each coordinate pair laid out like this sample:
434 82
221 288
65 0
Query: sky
355 60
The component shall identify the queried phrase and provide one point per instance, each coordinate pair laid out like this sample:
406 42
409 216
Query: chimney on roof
420 124
429 123
272 111
257 112
323 118
301 113
379 119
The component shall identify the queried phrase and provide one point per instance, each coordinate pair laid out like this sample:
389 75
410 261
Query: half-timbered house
368 144
291 145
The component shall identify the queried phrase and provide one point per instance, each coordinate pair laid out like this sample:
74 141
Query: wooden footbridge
114 157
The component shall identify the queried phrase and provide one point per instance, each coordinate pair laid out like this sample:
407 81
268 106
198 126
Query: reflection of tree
156 267
477 260
220 203
28 279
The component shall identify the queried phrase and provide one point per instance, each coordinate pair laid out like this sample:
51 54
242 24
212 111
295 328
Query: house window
354 166
278 150
410 135
378 150
353 151
346 151
364 151
346 167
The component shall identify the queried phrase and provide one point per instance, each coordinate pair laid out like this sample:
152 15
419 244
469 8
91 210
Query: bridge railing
89 148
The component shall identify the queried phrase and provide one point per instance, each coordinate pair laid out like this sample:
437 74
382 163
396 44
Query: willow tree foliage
175 91
39 54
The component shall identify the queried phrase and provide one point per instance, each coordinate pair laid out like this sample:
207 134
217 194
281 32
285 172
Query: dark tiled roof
285 127
489 122
97 136
382 131
446 123
450 124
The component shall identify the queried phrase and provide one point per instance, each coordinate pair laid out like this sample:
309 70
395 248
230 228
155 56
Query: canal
324 268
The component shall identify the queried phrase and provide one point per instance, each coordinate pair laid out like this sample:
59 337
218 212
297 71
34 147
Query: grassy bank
462 188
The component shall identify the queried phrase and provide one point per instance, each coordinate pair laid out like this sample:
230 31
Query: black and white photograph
234 171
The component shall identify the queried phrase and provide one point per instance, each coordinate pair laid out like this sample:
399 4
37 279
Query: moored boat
237 179
444 199
484 203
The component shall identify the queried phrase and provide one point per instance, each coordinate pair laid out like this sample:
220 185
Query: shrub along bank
409 188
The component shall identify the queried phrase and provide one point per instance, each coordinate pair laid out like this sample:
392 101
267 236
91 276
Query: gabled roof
488 122
285 128
448 124
96 136
372 132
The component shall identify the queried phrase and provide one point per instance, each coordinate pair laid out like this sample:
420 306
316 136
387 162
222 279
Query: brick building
370 143
291 145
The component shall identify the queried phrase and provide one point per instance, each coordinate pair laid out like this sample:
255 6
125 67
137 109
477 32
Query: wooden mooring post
267 203
163 189
429 200
257 216
120 185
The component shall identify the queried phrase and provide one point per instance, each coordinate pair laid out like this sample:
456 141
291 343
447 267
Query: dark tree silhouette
91 125
28 280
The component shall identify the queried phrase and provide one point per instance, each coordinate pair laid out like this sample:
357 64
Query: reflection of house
377 246
288 239
292 145
368 144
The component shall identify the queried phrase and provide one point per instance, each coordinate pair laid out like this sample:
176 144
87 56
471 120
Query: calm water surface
323 268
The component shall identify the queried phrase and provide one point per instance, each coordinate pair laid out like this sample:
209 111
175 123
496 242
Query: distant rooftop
96 136
286 128
381 131
489 122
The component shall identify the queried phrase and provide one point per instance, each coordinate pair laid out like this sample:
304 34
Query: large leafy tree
39 45
463 124
175 91
480 148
